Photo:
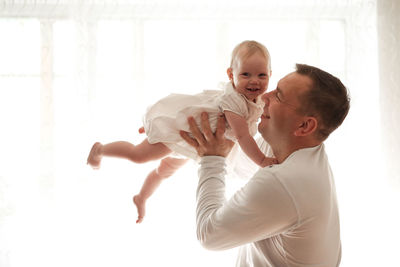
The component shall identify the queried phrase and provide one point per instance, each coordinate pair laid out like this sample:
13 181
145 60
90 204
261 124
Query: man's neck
283 151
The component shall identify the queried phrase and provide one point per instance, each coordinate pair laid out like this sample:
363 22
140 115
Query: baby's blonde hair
248 48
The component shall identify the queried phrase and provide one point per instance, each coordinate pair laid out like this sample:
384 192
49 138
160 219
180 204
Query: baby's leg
139 154
168 166
94 158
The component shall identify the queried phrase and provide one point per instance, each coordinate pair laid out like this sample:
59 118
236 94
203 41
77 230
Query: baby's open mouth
252 89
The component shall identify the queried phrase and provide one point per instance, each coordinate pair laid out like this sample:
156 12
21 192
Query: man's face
280 119
250 77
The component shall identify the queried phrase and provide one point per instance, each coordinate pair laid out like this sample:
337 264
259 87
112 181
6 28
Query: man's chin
262 126
263 131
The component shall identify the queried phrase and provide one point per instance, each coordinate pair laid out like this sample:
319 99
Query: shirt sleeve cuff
212 160
212 167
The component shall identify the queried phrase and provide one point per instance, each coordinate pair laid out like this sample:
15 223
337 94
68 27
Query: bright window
68 79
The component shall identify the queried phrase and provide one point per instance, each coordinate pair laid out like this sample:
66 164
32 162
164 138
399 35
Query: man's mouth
265 116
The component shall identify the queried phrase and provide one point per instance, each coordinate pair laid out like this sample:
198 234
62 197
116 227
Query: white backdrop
75 72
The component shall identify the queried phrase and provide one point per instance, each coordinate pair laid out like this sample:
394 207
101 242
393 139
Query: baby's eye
262 75
246 74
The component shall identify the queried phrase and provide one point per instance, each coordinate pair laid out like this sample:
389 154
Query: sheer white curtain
389 67
75 72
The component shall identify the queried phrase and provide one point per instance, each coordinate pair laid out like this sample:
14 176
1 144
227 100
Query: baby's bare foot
140 206
94 158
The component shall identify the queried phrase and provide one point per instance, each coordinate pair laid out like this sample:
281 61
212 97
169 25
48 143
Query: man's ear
308 126
229 71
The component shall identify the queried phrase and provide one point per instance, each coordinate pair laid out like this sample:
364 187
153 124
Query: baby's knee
165 170
167 167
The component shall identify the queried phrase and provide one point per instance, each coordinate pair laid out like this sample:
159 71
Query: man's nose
265 98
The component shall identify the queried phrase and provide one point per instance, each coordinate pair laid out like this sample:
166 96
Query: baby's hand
268 161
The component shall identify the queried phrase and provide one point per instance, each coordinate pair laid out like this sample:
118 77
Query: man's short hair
327 100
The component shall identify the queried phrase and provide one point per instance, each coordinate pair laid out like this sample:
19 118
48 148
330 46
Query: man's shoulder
303 167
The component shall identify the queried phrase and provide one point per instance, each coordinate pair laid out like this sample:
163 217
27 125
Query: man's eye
277 97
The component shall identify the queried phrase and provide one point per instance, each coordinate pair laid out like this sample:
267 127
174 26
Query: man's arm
259 210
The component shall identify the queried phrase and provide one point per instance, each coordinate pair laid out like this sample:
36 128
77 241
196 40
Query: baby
239 101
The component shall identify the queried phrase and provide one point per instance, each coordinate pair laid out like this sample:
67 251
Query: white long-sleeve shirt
286 215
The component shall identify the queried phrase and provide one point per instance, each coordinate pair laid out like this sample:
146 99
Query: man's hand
206 142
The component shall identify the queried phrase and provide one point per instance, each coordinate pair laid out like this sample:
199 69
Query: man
287 214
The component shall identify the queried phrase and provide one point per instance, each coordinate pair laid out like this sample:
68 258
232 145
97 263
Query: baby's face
250 76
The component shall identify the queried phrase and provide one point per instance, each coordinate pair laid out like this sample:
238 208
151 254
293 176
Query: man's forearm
210 196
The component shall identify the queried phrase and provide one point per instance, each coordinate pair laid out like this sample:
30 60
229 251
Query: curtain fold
388 26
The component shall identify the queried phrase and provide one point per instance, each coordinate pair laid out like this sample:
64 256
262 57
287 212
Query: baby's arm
246 141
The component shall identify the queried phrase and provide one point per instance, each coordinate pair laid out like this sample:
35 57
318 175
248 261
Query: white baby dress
164 119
